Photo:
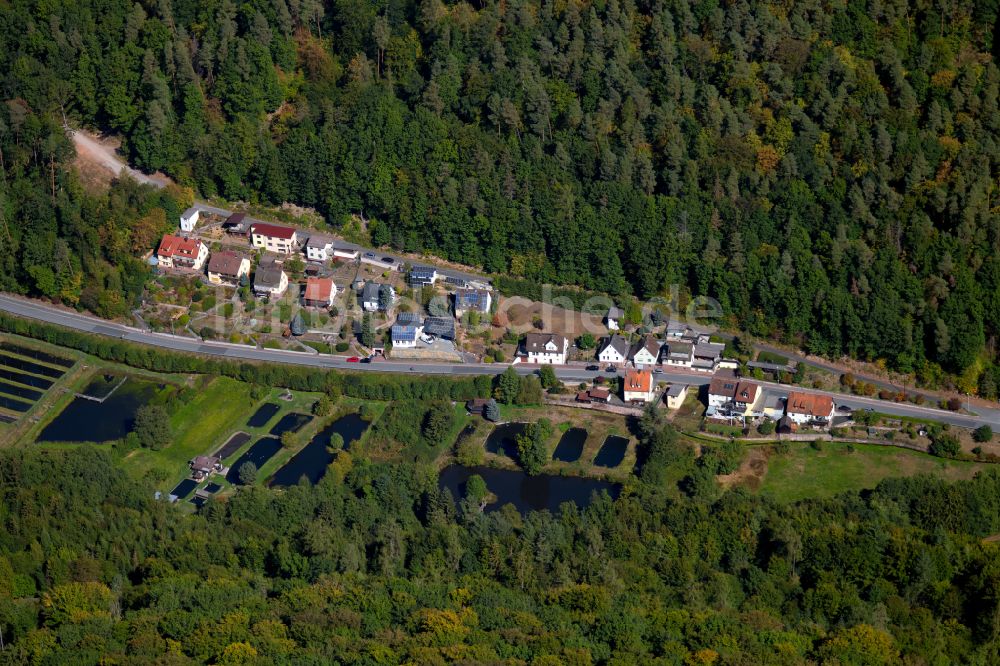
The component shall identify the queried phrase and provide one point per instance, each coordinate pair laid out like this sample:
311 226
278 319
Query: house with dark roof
319 292
412 318
405 335
675 395
269 280
274 237
422 276
677 353
546 348
734 395
613 349
645 351
177 252
235 224
475 300
705 355
442 327
228 267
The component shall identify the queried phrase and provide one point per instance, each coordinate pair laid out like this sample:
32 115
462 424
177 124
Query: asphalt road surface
70 319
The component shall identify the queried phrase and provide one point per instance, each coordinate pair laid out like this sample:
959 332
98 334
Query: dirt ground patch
98 162
522 314
751 471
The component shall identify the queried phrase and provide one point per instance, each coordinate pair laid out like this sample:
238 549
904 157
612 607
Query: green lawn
805 472
771 357
199 427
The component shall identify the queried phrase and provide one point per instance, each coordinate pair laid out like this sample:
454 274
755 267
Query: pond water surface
184 488
31 366
90 421
526 493
290 423
502 440
258 454
36 354
311 461
612 452
232 445
570 446
27 380
263 415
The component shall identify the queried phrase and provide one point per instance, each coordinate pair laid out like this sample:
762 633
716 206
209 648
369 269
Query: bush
954 404
766 427
982 434
816 444
152 427
945 446
247 473
342 346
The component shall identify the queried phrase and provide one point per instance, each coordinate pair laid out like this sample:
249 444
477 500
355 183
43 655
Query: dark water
102 386
212 488
612 452
263 415
27 380
20 391
31 366
311 461
570 445
36 354
7 418
184 488
502 439
89 421
290 423
258 454
14 405
526 493
232 445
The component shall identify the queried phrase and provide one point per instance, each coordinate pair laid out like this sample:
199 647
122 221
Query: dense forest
825 170
379 566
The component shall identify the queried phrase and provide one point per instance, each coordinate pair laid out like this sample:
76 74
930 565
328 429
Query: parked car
354 359
593 368
611 368
367 359
388 260
368 255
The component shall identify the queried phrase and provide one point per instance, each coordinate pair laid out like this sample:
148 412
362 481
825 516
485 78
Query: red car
354 359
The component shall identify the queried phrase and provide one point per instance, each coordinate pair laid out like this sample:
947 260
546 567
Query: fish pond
612 452
86 420
503 439
258 454
263 415
31 366
290 423
36 354
311 461
570 446
184 488
232 445
526 493
27 380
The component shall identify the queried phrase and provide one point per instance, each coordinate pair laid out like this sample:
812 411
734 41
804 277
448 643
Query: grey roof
189 212
370 293
676 389
708 349
319 240
651 344
443 327
422 272
452 279
678 348
267 275
408 318
472 299
535 342
404 333
615 312
773 367
619 343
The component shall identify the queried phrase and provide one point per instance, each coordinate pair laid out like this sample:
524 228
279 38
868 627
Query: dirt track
100 156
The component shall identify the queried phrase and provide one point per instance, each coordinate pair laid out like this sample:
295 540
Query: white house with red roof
177 252
319 292
638 386
274 237
813 408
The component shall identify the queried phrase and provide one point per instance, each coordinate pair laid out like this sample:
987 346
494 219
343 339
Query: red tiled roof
318 289
810 404
599 393
746 392
175 246
273 230
638 381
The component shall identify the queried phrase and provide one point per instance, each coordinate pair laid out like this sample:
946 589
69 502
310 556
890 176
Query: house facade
189 219
228 267
809 408
269 280
546 348
613 319
737 396
613 349
319 292
404 336
645 351
675 395
177 252
273 238
705 355
638 386
677 353
319 247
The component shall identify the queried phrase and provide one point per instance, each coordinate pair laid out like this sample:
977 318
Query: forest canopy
825 170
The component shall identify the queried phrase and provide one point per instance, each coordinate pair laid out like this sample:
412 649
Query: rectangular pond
31 366
86 420
36 354
27 380
14 405
502 440
570 446
20 391
263 414
184 488
311 461
258 454
612 452
232 445
212 488
527 493
290 423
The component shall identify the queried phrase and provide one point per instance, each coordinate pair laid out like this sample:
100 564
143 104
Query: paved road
54 315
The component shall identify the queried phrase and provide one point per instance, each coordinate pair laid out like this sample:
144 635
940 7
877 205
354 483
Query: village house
189 219
613 349
273 237
675 395
269 280
422 276
235 224
442 327
613 319
202 466
546 348
228 267
809 408
319 247
645 351
678 353
404 336
319 292
705 355
722 389
177 252
734 395
638 386
472 300
369 297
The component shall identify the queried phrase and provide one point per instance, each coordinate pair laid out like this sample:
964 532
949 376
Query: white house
319 247
722 389
273 237
638 386
189 219
546 348
269 280
613 318
645 351
738 396
678 353
676 395
804 408
227 267
404 336
343 252
613 349
177 252
319 292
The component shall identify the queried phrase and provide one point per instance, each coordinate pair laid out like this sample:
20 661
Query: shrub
983 433
945 446
816 444
342 346
247 473
766 427
152 427
954 404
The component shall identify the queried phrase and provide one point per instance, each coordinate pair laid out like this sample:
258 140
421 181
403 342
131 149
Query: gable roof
649 343
723 384
443 327
226 262
676 389
746 392
678 347
638 381
268 275
273 230
614 312
189 213
616 342
404 333
534 343
175 246
599 393
810 404
472 299
370 293
709 349
320 240
408 318
423 272
318 289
